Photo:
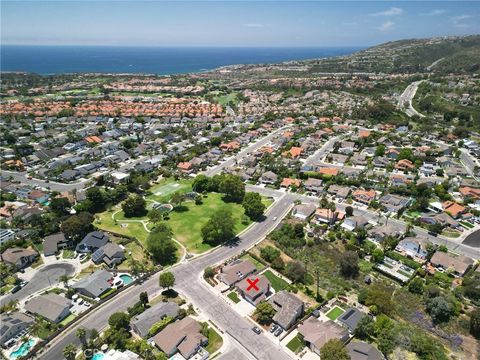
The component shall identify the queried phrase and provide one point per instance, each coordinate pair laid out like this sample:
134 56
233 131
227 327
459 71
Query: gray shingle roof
142 323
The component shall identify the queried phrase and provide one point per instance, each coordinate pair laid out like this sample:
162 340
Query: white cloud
394 11
386 26
435 12
253 25
458 21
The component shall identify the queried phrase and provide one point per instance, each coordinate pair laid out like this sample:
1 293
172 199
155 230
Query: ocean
46 60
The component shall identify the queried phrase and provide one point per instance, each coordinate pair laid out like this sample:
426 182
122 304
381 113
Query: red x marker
253 284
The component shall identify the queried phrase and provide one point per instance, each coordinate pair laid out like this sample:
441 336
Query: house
469 192
231 146
327 216
288 308
235 271
92 242
52 244
269 177
404 165
183 336
364 196
185 167
303 211
288 182
94 285
119 177
351 318
12 324
293 153
381 162
360 350
110 253
142 323
340 192
317 332
379 233
6 235
459 264
19 257
328 171
394 203
414 247
453 209
354 222
313 185
257 293
52 307
392 154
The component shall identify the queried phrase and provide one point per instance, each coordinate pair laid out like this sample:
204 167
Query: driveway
45 277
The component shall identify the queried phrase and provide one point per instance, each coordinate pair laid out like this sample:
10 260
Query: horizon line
191 46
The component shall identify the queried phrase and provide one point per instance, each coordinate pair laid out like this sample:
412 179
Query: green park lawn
335 313
186 221
277 283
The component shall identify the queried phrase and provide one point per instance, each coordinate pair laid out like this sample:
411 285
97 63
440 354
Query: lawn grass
68 254
167 187
296 344
254 261
67 320
215 341
335 313
466 224
234 297
187 223
277 283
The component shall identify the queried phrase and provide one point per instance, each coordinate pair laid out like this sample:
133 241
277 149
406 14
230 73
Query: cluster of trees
219 229
161 246
289 236
135 205
264 312
231 186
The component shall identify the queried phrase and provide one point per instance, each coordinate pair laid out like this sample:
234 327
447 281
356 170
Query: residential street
46 277
405 100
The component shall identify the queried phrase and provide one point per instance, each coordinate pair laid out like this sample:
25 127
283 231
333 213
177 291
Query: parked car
82 257
16 288
256 330
278 332
273 328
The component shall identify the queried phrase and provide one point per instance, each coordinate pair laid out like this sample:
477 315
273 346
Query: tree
201 183
416 286
119 320
143 297
93 335
377 255
296 271
135 205
155 215
177 199
96 199
269 253
77 226
233 188
253 205
59 206
439 309
264 312
365 329
161 245
219 228
81 334
278 264
349 264
349 211
64 279
69 352
208 273
334 350
166 280
475 323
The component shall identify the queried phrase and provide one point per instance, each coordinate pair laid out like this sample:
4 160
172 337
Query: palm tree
64 279
70 351
81 334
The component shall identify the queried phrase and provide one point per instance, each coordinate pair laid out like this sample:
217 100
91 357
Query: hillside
455 54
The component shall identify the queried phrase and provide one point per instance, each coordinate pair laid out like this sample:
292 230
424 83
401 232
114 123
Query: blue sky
232 23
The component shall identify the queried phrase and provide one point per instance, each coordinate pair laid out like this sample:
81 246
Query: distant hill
459 55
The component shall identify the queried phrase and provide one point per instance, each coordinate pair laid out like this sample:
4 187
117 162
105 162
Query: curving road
405 100
189 284
46 277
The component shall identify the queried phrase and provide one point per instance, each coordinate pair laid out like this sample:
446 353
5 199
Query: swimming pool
98 356
23 349
127 279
